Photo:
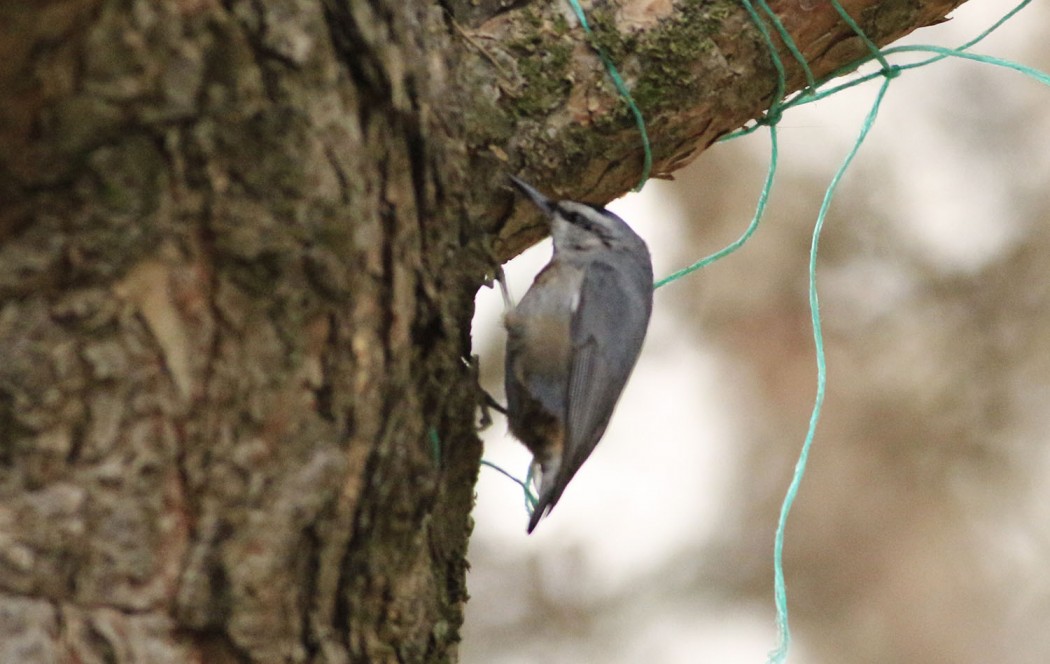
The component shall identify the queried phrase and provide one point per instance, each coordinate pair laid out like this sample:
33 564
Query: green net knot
891 72
772 116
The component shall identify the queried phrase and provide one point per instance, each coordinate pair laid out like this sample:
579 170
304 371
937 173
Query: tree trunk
239 244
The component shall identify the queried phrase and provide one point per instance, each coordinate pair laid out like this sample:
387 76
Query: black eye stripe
586 222
577 219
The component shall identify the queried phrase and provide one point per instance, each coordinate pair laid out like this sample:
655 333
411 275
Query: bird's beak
541 201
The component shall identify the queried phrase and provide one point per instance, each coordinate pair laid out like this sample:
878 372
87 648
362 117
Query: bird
573 339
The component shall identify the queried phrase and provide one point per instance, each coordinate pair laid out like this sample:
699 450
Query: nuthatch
574 338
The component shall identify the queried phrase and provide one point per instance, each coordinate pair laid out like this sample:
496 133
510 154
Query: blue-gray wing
607 331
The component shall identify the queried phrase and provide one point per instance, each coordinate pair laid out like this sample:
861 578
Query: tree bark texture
239 244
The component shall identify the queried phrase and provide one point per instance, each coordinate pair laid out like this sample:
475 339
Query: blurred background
922 528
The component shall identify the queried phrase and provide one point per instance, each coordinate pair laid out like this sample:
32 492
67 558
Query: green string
785 36
779 587
621 87
995 26
760 209
876 53
807 97
435 445
1032 73
778 95
530 498
779 655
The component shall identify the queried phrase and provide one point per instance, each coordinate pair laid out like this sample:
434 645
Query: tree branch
697 70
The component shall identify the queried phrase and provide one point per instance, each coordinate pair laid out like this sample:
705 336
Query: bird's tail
544 477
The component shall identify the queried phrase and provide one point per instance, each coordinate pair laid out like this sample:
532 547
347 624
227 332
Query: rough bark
697 69
239 244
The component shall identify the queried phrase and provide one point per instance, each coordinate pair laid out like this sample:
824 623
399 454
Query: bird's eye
582 221
586 223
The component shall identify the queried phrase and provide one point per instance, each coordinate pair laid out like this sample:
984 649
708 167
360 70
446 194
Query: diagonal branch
697 70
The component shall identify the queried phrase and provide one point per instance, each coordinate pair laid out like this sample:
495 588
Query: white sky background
658 479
